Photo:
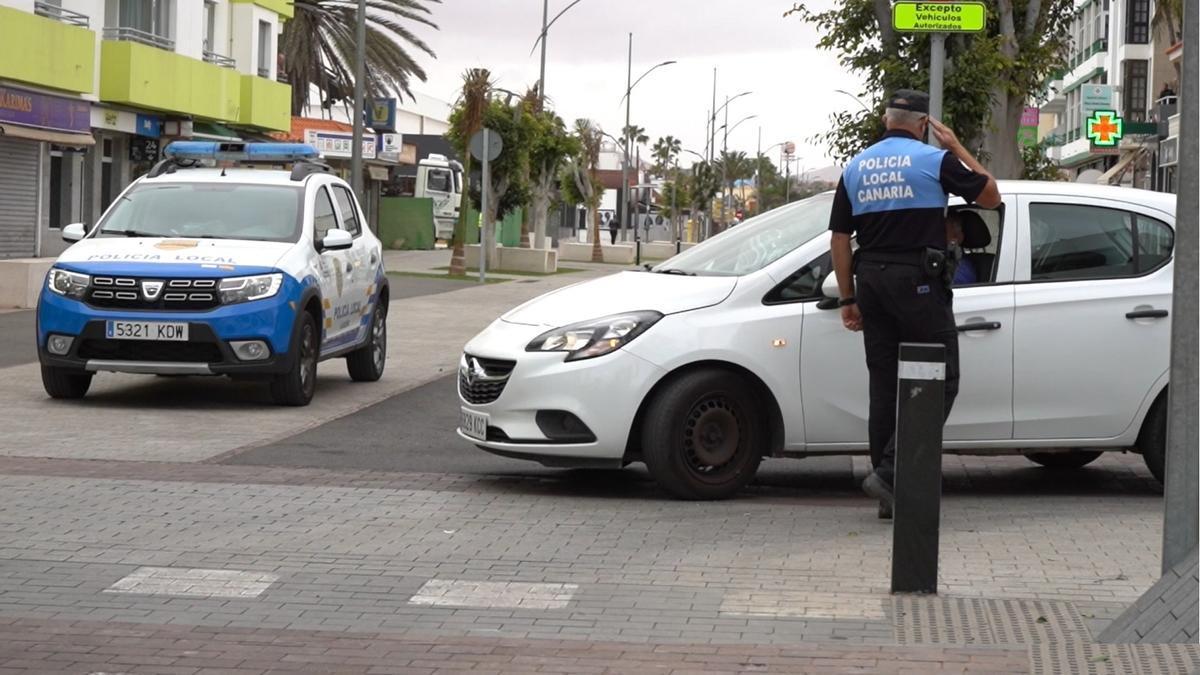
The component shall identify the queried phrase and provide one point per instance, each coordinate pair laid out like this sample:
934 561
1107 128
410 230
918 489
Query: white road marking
194 583
508 594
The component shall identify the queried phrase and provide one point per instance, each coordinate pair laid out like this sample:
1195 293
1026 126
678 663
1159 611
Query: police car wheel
366 363
703 435
1064 460
64 383
296 387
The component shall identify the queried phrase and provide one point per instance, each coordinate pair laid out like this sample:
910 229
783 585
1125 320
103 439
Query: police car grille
150 350
174 295
480 390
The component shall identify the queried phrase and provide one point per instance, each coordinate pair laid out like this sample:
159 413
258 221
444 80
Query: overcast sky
749 42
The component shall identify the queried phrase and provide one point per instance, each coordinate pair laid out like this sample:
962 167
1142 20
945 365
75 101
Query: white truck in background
441 179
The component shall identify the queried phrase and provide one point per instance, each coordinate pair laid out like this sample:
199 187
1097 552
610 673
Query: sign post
485 146
938 18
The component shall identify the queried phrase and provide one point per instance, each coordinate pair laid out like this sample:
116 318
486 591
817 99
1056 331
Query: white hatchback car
733 350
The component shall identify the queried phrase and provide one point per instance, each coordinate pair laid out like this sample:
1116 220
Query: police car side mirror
337 240
74 232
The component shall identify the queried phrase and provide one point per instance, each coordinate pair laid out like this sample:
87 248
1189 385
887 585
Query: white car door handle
979 325
1147 314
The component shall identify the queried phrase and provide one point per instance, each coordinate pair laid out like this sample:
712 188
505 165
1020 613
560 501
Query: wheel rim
379 340
308 358
712 437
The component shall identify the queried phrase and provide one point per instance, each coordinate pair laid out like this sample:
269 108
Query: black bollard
920 415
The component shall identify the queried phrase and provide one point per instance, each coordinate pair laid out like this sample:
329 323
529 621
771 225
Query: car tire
297 385
65 383
703 435
366 363
1064 460
1153 440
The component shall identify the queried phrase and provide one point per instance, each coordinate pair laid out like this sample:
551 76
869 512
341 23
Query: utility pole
360 57
542 72
937 65
625 136
1179 512
712 128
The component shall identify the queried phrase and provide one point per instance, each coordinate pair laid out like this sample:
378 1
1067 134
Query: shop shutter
18 197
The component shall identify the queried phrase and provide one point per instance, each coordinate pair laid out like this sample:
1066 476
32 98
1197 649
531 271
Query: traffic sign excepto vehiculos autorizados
939 17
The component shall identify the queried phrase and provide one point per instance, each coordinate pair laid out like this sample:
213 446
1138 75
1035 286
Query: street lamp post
630 83
542 39
712 139
725 157
360 57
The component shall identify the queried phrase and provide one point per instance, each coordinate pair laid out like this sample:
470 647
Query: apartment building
90 90
1118 62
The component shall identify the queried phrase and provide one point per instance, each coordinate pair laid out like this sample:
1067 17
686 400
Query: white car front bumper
603 392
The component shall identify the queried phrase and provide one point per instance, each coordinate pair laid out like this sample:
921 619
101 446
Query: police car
734 350
254 272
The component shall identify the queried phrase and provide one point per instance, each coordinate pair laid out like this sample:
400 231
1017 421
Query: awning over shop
67 139
211 131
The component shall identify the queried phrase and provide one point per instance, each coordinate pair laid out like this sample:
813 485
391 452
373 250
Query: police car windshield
756 243
207 210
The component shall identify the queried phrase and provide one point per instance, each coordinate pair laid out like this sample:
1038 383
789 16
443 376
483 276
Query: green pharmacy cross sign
939 17
1105 129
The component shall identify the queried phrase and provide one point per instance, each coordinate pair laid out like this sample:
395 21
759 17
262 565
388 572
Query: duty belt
915 258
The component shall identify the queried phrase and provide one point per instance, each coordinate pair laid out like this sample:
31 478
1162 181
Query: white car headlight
70 284
589 339
245 289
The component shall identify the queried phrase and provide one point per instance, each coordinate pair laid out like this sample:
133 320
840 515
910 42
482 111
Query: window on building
146 21
1136 83
1137 22
264 49
210 26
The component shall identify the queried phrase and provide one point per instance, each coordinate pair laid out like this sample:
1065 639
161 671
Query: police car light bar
240 152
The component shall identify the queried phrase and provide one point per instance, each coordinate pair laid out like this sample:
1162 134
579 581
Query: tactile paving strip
1069 657
966 621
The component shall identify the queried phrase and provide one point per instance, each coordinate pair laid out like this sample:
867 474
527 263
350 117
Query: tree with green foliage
1038 166
549 149
508 189
664 152
466 119
988 78
580 184
318 45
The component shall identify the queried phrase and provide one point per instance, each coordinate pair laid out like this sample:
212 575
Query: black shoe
878 488
885 511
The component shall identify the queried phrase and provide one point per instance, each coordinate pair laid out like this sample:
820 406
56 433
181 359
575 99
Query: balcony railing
1097 47
217 59
59 14
127 34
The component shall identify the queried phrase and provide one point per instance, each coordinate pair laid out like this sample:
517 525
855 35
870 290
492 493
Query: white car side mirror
74 232
829 287
337 240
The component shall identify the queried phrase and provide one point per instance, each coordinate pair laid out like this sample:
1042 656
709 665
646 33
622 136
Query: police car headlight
245 289
589 339
70 284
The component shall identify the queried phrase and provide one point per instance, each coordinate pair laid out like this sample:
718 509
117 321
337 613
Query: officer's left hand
852 318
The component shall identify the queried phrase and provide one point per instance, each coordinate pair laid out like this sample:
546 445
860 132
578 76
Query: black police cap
910 99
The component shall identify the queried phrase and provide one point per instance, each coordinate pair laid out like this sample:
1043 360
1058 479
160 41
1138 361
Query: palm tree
665 150
318 46
583 172
472 103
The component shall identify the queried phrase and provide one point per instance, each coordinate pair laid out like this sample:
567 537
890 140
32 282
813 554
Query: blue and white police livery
894 174
200 270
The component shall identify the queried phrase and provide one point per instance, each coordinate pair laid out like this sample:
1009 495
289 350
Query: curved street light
542 39
712 126
856 99
635 83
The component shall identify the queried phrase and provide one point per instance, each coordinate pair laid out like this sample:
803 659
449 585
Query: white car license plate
473 424
146 330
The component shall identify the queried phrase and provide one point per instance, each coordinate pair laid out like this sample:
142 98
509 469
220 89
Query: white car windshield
756 243
207 211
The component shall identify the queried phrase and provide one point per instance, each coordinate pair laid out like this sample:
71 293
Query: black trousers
613 233
900 303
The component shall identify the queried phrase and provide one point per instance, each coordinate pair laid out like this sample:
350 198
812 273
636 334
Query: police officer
893 197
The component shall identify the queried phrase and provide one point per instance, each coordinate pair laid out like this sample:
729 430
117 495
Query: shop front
42 141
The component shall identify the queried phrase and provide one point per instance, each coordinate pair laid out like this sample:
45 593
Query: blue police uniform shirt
893 195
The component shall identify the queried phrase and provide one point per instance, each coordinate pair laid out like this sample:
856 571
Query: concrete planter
658 250
537 260
578 252
21 281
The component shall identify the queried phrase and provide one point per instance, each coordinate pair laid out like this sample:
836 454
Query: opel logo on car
151 289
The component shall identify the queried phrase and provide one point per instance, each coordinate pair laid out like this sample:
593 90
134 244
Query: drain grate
1070 657
967 621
